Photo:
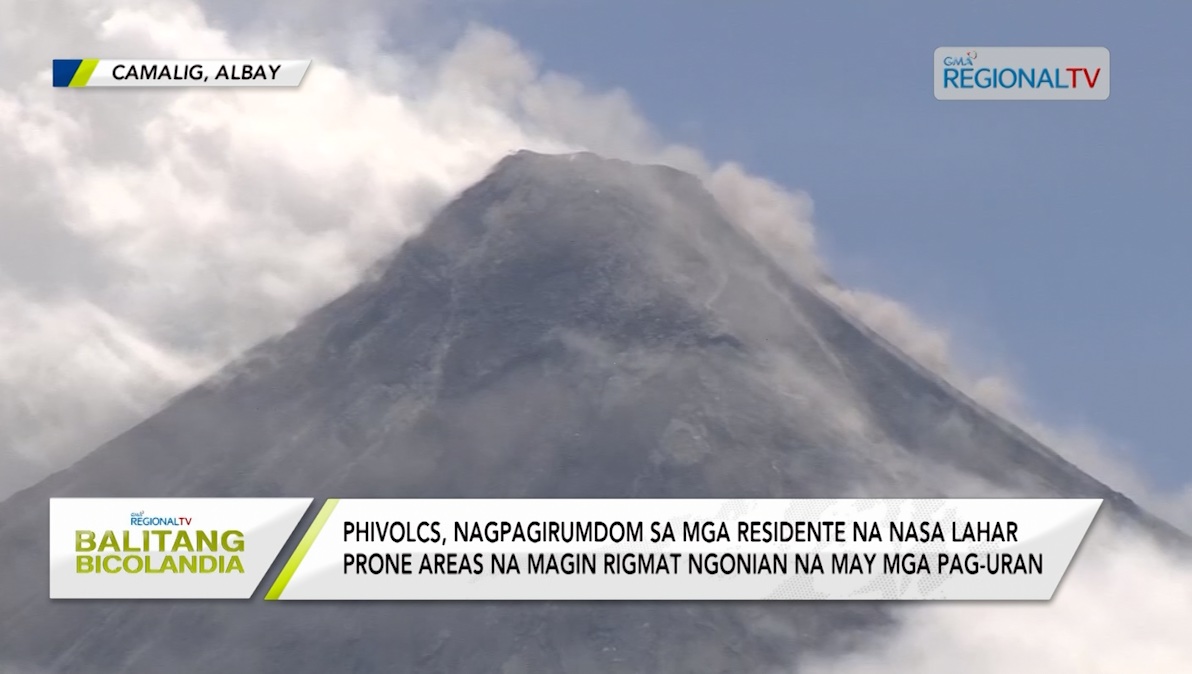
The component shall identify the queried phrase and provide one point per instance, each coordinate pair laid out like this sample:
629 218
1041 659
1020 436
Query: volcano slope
570 326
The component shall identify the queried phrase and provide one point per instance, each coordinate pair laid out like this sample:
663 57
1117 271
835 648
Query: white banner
682 549
179 72
146 548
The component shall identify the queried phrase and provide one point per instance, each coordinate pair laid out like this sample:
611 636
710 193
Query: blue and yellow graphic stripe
73 72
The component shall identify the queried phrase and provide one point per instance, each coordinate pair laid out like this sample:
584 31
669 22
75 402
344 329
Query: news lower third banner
76 73
566 549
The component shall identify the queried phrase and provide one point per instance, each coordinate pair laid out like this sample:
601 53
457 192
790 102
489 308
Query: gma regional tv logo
1022 73
138 519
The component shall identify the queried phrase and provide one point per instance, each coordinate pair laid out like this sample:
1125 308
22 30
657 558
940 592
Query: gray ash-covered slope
569 327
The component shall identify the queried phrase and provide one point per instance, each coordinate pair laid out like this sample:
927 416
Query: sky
1052 237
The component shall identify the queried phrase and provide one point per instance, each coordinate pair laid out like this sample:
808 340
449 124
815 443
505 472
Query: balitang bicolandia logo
159 543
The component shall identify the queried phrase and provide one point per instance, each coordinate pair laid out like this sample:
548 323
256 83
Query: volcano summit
570 326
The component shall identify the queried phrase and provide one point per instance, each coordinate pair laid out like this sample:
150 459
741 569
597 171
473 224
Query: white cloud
928 346
1122 607
776 217
151 235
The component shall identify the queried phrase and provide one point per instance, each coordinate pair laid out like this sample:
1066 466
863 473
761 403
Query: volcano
570 326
